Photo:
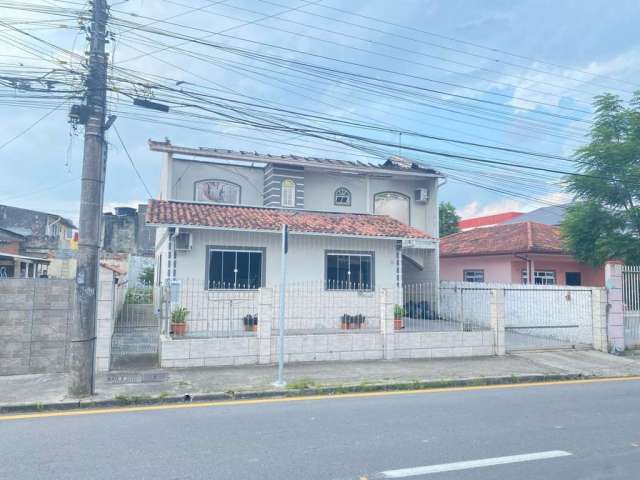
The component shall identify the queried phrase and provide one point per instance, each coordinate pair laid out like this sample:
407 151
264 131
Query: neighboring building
524 252
552 215
353 225
128 244
125 232
34 243
45 233
488 220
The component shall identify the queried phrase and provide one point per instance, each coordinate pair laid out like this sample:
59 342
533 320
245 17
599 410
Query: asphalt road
592 431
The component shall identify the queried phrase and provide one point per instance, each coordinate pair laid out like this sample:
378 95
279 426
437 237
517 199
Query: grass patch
302 384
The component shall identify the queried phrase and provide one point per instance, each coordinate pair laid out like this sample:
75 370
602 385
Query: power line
30 127
135 169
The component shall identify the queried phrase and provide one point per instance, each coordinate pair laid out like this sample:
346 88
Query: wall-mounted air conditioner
182 241
422 195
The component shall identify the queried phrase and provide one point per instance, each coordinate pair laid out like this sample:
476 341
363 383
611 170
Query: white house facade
353 225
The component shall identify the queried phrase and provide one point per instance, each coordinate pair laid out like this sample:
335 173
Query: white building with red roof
353 225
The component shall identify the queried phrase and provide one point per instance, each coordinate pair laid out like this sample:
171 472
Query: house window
288 193
573 279
342 197
540 277
68 233
235 269
473 276
218 191
349 271
53 229
394 204
544 277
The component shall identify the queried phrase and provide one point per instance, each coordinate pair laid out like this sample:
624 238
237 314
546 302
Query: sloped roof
392 165
552 215
235 217
487 220
525 237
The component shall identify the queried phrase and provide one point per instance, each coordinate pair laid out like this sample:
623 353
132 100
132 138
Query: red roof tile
487 220
162 212
526 237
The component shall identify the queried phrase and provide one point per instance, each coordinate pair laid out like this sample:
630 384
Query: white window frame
288 193
474 275
545 277
342 192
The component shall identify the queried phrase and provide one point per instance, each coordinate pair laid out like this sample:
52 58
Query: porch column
615 314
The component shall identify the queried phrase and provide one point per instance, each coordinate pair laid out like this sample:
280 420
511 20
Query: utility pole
93 113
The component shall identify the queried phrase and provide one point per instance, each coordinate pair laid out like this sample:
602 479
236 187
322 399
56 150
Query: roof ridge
266 207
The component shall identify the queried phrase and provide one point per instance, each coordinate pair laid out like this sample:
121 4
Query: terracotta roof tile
526 237
162 212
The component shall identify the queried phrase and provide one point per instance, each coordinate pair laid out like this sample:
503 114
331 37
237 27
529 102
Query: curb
265 394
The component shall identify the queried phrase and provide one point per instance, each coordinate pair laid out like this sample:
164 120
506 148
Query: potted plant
398 317
179 321
350 322
250 322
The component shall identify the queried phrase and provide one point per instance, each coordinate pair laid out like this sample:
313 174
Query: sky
508 74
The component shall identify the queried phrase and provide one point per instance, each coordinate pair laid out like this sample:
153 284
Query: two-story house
352 225
47 242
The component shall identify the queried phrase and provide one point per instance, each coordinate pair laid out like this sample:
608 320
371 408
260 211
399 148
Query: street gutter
125 401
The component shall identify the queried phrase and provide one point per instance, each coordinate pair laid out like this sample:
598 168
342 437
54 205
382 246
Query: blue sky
543 62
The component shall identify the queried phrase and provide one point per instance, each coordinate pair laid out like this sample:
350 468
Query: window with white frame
544 277
235 268
53 229
473 276
288 193
540 277
342 197
349 271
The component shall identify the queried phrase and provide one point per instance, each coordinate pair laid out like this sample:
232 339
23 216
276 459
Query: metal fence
191 311
317 307
631 302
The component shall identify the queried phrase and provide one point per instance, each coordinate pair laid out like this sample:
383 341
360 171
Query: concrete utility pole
83 342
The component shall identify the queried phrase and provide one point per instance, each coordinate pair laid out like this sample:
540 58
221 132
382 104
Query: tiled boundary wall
382 343
35 321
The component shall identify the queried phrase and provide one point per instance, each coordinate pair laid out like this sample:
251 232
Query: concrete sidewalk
49 391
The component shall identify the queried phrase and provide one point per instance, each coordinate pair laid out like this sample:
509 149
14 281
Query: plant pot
344 325
178 329
251 328
398 324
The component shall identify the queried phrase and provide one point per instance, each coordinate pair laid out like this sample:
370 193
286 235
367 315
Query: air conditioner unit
422 195
182 241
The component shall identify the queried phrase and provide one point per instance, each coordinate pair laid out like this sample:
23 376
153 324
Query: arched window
218 191
394 204
342 197
288 193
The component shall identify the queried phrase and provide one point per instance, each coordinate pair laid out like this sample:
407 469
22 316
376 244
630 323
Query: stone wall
35 321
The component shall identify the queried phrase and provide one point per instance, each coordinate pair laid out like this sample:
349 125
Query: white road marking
486 462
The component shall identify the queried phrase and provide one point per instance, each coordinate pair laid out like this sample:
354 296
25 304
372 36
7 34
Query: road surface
558 431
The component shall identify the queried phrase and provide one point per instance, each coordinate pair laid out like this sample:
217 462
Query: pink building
525 252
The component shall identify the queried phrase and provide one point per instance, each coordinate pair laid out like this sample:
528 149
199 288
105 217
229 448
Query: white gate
631 302
543 317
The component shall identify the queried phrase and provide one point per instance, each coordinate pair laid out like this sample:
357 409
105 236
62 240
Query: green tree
604 222
449 219
147 276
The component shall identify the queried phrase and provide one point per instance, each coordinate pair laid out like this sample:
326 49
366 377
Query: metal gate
631 302
548 317
136 333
